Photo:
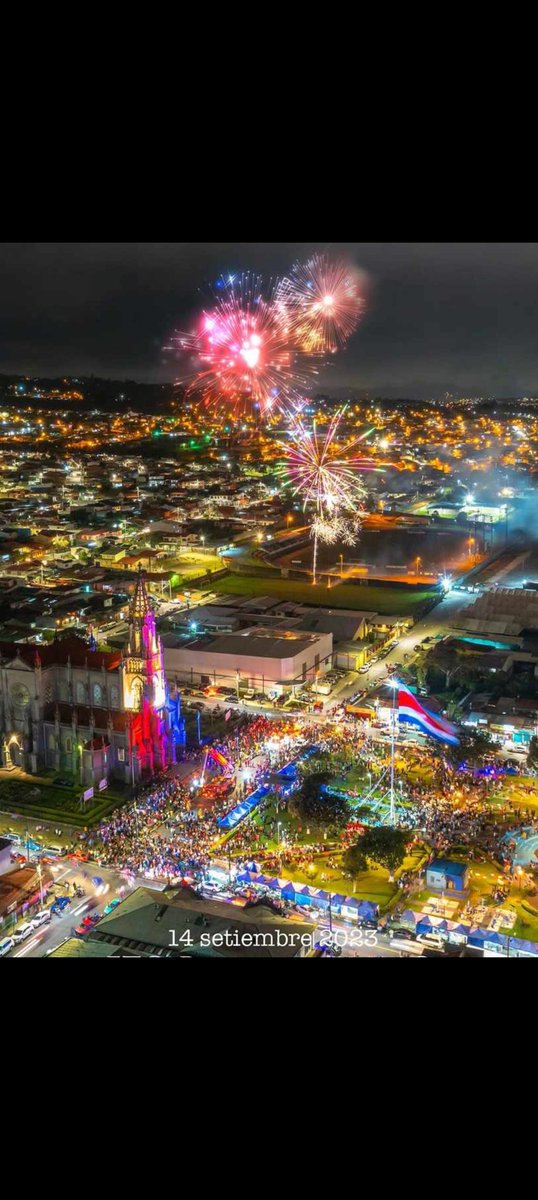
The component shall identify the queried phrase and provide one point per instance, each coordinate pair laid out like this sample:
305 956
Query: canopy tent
431 925
242 810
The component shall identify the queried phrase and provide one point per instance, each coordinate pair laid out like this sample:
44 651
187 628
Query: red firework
245 352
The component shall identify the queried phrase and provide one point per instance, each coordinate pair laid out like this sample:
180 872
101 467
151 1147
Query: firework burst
323 301
327 476
245 353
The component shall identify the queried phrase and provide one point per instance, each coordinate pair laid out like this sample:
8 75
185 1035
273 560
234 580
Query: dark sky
460 317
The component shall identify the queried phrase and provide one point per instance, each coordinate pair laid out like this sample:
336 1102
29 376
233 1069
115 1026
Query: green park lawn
372 884
521 791
401 601
42 800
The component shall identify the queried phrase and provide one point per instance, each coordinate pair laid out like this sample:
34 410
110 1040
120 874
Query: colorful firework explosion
246 355
327 476
323 301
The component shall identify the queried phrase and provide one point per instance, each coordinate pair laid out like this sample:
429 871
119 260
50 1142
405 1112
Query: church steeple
140 615
140 605
143 667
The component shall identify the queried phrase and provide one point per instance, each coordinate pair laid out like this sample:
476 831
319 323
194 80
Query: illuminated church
95 715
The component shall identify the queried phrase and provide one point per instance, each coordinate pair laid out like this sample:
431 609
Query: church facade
94 715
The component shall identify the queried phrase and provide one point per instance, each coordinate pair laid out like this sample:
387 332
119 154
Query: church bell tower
143 666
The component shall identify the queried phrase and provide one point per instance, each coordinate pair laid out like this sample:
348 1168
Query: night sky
457 317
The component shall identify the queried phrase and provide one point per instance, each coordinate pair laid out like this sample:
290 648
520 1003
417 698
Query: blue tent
524 947
337 900
288 891
477 936
427 925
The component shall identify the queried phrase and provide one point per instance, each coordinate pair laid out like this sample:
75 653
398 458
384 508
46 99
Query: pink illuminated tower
144 689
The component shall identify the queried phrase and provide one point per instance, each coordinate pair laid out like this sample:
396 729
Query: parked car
41 918
23 932
433 941
112 904
406 934
6 945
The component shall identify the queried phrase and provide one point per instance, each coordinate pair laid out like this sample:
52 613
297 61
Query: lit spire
140 605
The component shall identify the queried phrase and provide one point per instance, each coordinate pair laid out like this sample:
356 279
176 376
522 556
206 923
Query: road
66 873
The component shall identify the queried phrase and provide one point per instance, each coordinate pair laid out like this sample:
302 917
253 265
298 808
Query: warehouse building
256 657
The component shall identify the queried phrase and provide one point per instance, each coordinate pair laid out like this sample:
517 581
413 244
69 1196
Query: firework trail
327 476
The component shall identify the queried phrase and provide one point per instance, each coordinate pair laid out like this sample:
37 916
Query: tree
354 859
532 756
312 803
472 746
385 846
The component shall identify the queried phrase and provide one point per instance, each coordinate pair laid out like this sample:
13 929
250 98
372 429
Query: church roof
120 720
58 652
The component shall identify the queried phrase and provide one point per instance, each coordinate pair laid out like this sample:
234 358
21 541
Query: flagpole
392 752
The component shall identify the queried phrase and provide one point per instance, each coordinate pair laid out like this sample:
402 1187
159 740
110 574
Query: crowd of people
168 833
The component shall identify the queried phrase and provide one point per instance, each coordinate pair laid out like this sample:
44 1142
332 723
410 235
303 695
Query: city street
59 928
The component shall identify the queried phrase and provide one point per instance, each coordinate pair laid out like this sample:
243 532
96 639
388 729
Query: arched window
81 693
64 691
52 741
114 697
97 693
68 745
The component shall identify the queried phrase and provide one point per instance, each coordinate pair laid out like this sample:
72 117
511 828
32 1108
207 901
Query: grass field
44 801
387 600
522 792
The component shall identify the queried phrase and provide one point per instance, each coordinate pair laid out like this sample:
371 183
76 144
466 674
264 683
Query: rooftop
448 866
143 922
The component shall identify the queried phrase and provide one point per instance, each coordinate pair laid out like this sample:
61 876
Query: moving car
86 924
112 904
407 934
23 932
60 904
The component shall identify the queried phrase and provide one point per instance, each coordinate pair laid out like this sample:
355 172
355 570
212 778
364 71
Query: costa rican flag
413 713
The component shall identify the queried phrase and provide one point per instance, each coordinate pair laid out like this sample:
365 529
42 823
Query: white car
41 918
23 932
6 945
